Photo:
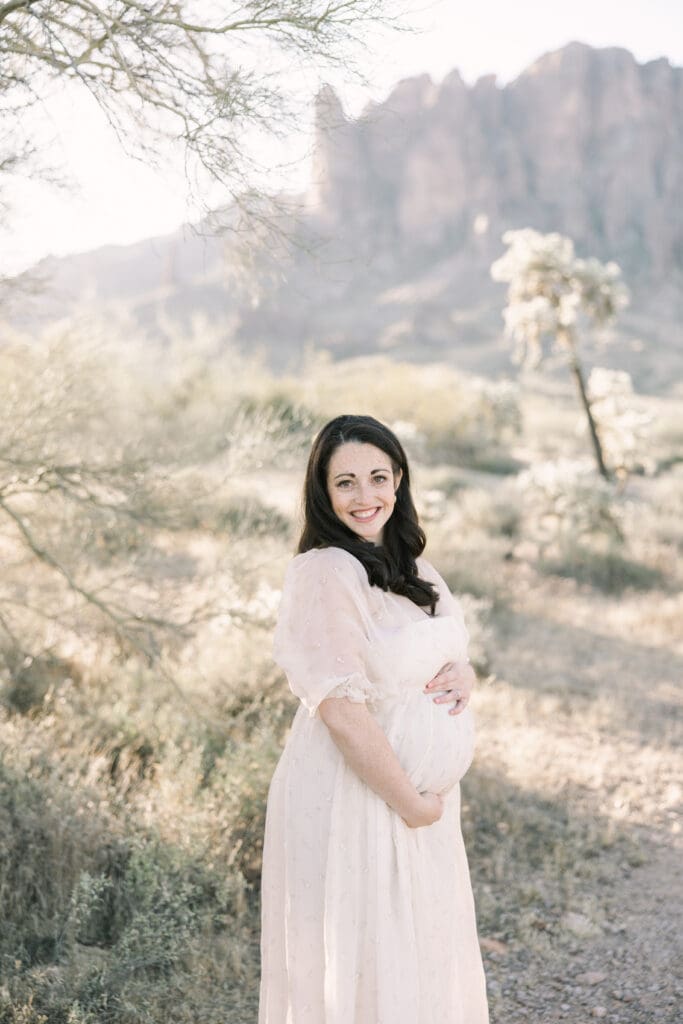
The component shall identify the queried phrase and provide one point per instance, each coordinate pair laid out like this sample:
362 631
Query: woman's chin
373 537
371 532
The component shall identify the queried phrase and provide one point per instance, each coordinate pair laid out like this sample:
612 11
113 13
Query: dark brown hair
390 565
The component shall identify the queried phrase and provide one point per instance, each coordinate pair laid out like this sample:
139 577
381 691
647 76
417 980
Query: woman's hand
428 810
453 683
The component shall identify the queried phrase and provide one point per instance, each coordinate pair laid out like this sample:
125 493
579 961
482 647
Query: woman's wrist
413 805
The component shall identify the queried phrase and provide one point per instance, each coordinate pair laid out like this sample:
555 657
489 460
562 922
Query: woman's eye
381 478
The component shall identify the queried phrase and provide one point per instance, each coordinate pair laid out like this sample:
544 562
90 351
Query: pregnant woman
367 910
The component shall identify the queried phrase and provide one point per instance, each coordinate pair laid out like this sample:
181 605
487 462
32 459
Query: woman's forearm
368 752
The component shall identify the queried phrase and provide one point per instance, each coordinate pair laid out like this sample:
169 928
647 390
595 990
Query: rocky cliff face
586 142
406 212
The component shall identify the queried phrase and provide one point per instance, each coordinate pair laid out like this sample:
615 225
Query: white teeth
364 515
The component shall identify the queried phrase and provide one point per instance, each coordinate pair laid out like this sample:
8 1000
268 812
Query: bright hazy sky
120 201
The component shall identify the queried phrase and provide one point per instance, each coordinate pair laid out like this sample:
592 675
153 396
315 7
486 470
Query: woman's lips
365 516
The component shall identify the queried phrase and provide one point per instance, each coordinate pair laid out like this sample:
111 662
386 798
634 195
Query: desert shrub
26 683
43 849
123 476
490 418
161 896
279 413
665 495
492 460
566 500
247 516
482 421
148 906
248 768
269 430
496 513
20 1013
578 520
609 570
437 412
82 491
470 566
128 855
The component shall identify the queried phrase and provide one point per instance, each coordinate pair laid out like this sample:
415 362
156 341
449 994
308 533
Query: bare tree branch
205 74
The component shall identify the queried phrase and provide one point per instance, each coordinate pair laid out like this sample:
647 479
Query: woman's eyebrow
383 469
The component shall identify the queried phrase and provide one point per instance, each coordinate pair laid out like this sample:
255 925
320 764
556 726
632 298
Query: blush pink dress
365 920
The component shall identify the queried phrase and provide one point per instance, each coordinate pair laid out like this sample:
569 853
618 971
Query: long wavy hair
391 565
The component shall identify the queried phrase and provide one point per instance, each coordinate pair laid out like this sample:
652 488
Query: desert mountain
405 214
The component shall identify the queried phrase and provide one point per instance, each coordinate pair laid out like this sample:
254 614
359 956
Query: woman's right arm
321 641
368 752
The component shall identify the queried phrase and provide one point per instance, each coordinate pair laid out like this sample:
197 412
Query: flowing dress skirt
365 920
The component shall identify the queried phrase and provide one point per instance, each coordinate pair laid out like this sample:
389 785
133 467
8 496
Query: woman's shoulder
320 561
449 603
426 570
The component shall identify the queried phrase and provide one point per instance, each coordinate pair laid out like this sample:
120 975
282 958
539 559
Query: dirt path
630 974
586 701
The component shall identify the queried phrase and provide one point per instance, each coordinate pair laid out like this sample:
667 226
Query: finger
454 674
459 707
450 697
441 680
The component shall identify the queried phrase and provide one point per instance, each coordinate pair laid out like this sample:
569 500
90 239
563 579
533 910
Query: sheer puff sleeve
321 637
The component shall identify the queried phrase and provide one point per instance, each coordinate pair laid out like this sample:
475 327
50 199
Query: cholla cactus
549 290
549 287
601 291
537 268
564 502
499 415
623 428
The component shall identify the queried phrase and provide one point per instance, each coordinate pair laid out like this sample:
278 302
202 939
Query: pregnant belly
434 748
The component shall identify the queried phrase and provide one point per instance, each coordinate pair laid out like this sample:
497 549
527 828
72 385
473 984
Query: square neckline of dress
374 590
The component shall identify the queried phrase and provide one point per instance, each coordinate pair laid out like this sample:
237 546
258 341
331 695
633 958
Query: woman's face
361 485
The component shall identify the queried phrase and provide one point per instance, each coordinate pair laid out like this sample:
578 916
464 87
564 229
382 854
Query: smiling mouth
366 515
